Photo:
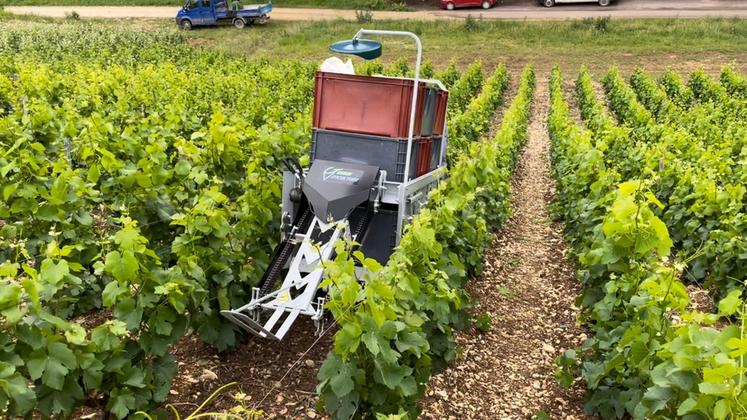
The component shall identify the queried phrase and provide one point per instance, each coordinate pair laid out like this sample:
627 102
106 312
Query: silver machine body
347 193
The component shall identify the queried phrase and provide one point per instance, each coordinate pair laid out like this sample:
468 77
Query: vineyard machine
378 148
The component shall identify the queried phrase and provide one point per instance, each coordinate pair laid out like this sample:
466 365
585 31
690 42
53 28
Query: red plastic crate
364 104
424 156
438 123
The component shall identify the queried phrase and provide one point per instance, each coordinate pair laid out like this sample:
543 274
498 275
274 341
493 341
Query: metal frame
305 270
405 187
309 256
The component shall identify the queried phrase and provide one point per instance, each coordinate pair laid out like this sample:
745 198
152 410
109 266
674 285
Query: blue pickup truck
218 12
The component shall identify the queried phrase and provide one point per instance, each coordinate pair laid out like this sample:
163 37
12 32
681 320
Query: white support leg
296 295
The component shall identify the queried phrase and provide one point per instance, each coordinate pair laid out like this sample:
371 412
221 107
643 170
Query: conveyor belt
283 253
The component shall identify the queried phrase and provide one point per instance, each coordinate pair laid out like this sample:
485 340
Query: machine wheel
604 3
239 23
449 6
548 3
185 24
486 4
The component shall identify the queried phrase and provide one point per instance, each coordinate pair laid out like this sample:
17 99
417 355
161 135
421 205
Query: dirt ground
505 9
278 378
528 289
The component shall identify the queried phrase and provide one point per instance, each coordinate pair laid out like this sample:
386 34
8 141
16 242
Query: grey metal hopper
335 188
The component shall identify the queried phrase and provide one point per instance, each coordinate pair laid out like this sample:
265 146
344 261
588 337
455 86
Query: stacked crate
364 119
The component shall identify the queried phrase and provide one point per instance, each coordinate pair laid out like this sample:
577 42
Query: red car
453 4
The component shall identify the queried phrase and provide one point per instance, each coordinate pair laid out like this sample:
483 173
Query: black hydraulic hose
362 225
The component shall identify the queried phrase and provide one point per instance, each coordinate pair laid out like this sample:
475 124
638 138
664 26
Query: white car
551 3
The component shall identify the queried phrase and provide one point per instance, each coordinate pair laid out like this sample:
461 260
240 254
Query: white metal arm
411 129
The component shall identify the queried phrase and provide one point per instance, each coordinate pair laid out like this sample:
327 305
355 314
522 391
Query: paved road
507 9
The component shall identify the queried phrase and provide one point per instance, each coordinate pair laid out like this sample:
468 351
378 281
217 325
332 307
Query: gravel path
160 12
528 288
506 9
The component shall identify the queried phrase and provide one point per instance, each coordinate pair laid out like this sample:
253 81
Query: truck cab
218 12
